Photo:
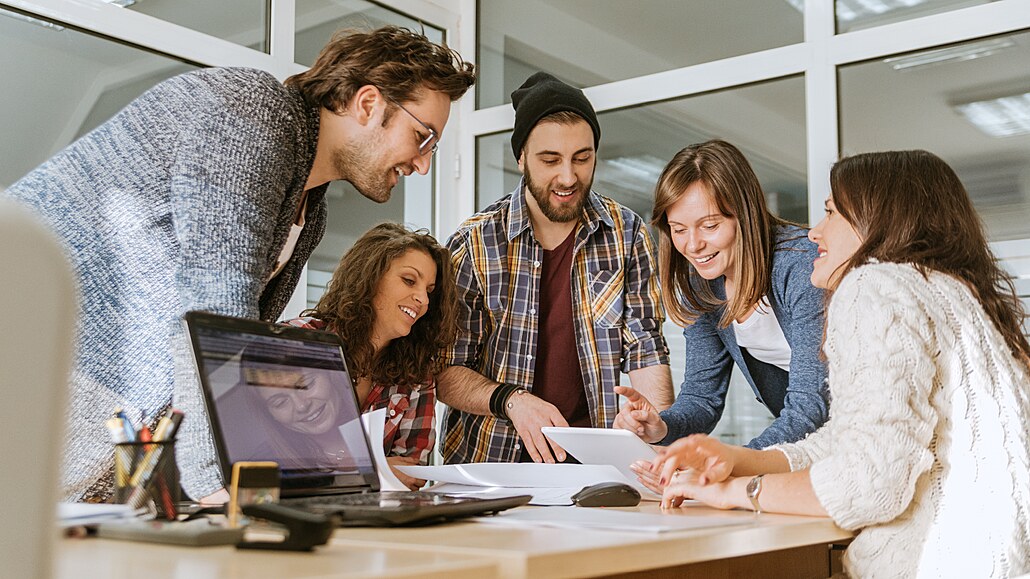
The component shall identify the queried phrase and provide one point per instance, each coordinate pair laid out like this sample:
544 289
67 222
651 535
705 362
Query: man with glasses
208 193
559 292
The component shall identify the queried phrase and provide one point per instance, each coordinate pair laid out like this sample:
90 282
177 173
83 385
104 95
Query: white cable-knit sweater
926 449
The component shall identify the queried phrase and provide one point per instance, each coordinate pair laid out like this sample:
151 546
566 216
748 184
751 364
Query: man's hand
639 416
410 482
528 414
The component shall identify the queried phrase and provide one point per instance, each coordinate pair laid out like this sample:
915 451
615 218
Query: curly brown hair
347 307
400 62
911 207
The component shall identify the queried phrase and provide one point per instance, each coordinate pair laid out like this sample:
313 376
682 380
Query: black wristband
499 397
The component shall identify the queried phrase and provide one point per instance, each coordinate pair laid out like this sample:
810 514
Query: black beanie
541 95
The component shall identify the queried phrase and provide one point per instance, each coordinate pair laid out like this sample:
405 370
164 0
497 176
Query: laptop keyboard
386 499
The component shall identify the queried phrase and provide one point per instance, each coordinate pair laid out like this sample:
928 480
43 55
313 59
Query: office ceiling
84 79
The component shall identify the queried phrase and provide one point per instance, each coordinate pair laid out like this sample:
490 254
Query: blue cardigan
798 399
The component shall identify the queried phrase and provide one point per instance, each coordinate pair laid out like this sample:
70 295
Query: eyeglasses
429 144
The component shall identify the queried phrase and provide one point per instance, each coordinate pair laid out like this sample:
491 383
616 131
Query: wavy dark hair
347 307
399 61
734 187
911 207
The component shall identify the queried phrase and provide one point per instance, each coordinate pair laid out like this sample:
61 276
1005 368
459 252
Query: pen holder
146 477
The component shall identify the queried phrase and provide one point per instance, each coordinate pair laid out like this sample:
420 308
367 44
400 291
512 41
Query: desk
93 558
771 546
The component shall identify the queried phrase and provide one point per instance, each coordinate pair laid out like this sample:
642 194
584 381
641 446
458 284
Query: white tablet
614 446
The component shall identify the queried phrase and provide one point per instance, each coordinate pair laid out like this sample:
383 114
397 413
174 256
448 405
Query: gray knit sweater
181 201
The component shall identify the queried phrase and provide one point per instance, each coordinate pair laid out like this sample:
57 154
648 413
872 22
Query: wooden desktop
768 546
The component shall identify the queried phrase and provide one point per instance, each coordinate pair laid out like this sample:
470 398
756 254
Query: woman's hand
639 416
410 482
686 484
713 460
217 498
649 479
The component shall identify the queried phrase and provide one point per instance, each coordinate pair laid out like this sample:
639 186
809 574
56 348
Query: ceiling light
31 20
959 53
1000 117
636 173
848 10
121 3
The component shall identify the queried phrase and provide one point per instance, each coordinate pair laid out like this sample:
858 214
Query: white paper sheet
75 514
549 497
509 475
373 422
609 520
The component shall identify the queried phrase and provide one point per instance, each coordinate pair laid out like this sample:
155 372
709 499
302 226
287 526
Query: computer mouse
607 494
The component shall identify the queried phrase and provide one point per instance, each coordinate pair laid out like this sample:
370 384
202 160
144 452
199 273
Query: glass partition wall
88 59
793 84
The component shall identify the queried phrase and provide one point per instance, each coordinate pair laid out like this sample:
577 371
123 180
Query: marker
116 429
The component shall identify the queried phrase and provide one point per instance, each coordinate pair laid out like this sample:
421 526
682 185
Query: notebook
283 394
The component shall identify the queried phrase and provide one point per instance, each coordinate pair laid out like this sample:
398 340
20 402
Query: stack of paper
604 519
83 514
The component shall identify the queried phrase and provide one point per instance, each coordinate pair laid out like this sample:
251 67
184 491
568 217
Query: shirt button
532 311
518 447
536 264
393 412
529 356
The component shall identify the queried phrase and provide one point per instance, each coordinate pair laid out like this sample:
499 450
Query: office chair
37 324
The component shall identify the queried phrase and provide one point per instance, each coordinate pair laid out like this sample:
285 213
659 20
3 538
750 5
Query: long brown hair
728 177
347 307
399 61
910 207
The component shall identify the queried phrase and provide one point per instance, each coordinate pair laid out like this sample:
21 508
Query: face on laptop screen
286 400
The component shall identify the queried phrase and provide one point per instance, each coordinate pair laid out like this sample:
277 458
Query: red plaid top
410 412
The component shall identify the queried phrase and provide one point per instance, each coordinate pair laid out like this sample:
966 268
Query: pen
130 432
165 434
166 496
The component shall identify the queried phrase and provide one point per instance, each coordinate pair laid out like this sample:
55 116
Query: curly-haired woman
392 300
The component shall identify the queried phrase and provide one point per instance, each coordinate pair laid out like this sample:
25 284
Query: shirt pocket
606 297
398 405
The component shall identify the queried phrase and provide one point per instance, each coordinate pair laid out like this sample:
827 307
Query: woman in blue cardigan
736 277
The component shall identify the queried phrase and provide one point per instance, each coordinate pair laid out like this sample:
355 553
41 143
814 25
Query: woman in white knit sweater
926 450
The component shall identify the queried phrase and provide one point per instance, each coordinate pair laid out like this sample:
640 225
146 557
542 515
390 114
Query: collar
595 212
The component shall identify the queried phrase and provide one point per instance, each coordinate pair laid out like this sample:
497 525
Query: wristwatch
754 488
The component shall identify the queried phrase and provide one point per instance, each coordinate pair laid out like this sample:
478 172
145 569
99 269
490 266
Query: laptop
283 394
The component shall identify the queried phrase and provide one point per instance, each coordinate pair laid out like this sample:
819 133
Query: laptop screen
282 394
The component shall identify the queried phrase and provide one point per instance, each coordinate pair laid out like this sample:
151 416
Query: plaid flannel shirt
410 412
616 303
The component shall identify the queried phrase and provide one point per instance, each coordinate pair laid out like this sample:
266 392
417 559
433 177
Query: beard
565 212
360 163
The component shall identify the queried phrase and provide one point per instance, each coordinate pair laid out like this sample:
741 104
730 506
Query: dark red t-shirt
557 378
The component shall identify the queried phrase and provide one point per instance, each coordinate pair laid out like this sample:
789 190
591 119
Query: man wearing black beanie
559 294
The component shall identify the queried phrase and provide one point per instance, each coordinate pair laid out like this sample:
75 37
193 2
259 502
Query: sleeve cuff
796 458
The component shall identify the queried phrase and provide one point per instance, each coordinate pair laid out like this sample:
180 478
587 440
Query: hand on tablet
528 414
712 460
642 469
639 416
